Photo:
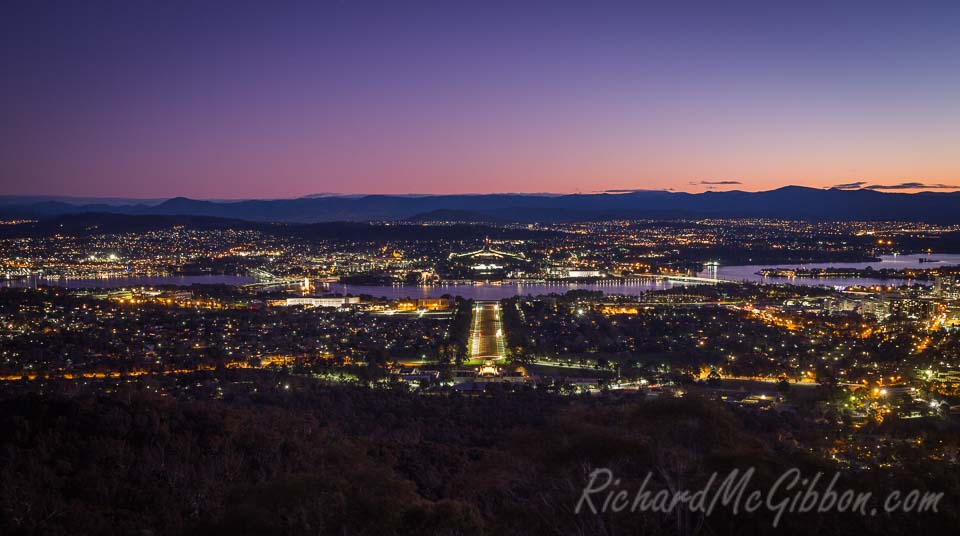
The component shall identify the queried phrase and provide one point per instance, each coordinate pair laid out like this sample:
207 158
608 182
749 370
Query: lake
896 262
499 291
122 282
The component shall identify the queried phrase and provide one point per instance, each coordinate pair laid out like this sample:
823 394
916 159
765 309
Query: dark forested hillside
359 461
88 224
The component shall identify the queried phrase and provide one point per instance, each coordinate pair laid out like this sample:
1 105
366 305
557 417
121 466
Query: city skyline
463 267
254 101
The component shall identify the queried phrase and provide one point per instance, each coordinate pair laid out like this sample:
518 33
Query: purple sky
278 99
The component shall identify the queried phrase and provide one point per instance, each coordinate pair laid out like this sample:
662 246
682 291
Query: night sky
279 99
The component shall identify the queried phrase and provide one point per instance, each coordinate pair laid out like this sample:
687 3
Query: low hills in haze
790 202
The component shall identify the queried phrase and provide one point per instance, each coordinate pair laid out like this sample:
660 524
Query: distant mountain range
790 202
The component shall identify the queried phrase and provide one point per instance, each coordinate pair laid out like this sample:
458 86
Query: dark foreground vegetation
345 460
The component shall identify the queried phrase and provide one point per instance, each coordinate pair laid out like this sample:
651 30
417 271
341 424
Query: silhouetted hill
346 460
453 215
791 202
94 223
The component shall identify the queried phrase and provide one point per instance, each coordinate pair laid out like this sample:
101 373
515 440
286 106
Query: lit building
947 286
320 302
486 262
562 272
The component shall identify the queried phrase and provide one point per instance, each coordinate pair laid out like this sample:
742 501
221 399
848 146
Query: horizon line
892 189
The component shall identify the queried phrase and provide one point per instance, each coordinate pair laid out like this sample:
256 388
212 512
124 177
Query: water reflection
506 290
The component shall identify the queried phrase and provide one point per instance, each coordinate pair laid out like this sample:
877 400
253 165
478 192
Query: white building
323 302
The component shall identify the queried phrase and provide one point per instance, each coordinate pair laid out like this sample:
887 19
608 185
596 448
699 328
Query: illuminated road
486 332
681 278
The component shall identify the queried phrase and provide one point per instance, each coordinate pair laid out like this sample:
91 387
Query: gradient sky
244 99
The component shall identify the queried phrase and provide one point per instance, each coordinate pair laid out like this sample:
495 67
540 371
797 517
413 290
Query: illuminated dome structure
486 263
